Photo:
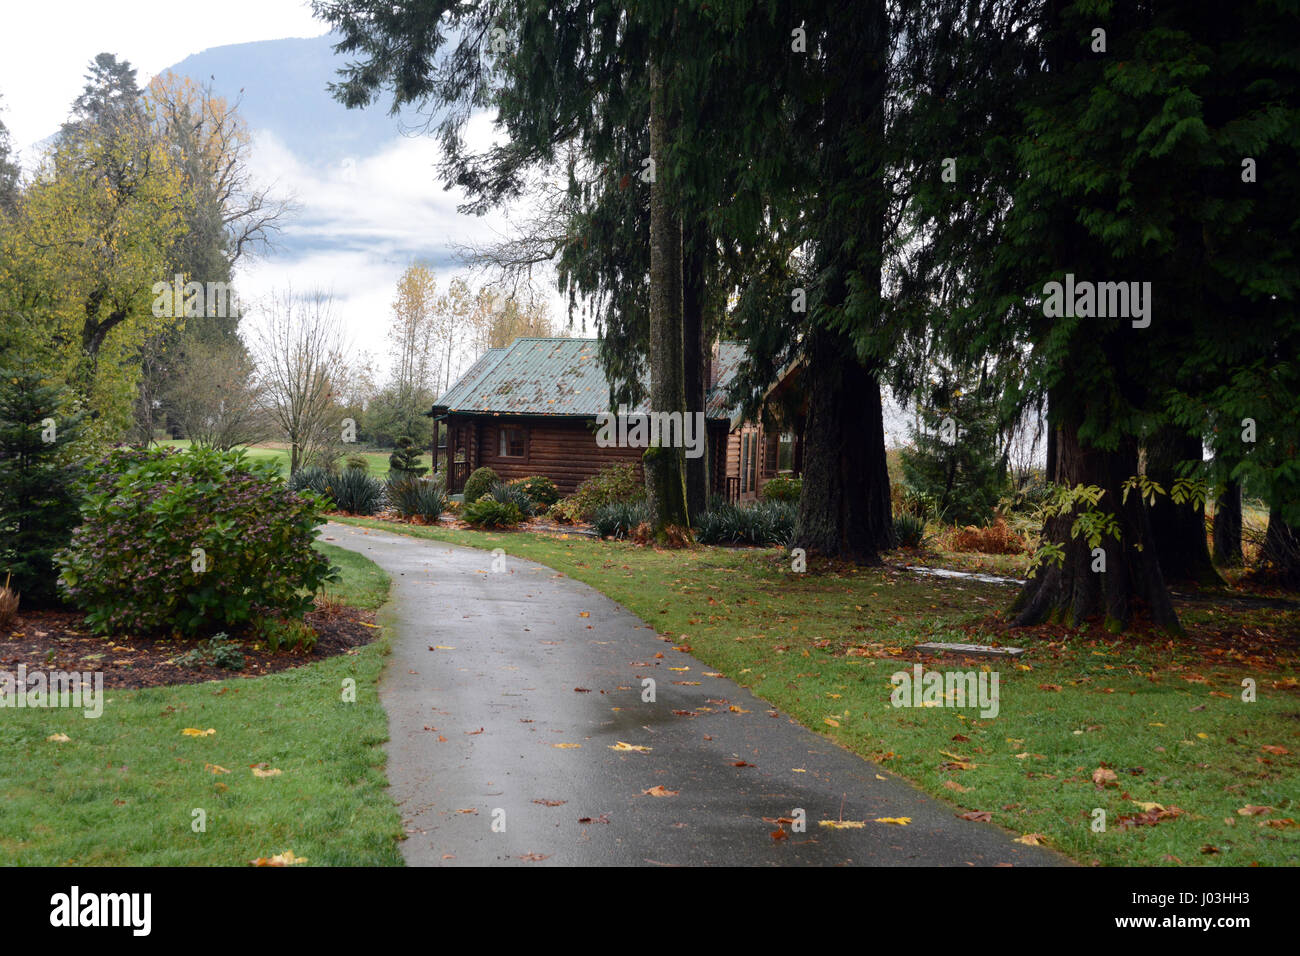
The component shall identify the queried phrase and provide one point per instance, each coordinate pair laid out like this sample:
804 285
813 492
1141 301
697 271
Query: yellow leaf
898 821
59 738
843 824
566 746
738 710
831 721
637 747
267 772
1031 839
195 732
215 768
287 858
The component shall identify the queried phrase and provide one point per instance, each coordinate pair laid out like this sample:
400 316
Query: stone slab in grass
971 650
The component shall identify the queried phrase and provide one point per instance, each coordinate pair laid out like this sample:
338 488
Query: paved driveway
506 691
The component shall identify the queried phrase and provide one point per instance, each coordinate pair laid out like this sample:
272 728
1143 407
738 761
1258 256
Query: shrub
613 484
762 523
617 520
477 484
287 633
910 531
312 478
487 512
191 542
356 492
781 488
541 491
416 497
511 494
357 462
39 494
219 651
996 538
565 510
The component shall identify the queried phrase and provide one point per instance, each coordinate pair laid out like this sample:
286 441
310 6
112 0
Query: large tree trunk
695 358
1132 585
1179 529
844 510
1227 526
1282 548
664 466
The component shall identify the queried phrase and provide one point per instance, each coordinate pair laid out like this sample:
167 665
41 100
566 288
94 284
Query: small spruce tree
39 501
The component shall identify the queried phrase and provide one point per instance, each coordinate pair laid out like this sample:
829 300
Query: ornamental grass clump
192 543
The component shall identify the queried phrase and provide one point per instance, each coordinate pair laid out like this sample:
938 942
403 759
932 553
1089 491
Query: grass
1167 718
122 790
377 460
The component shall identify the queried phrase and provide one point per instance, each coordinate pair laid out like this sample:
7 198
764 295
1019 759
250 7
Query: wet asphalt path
484 710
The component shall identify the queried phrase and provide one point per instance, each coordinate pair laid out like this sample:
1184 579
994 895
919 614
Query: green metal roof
559 376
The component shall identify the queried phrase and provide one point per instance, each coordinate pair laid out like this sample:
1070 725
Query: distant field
274 451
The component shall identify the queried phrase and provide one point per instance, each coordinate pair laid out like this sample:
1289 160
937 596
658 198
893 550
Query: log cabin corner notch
530 408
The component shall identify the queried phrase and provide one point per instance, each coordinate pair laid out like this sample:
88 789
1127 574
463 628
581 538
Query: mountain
282 88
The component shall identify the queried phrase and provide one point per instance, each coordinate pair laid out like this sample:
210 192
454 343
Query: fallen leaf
1275 750
624 747
954 785
566 746
1251 810
660 791
897 821
266 772
550 803
842 824
195 732
59 738
977 816
287 858
1031 839
215 768
1103 776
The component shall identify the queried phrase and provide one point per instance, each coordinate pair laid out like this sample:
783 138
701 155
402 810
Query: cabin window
513 442
785 453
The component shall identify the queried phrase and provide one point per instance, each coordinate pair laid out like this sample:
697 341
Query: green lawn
378 460
124 787
1168 719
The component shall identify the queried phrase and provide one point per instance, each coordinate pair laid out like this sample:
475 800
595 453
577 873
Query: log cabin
530 408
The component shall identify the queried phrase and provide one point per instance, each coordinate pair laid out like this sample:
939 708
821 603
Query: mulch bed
59 640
